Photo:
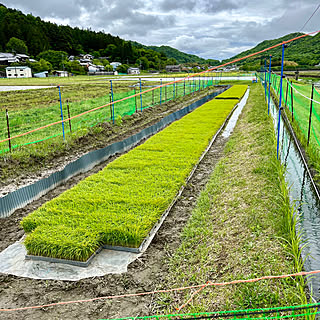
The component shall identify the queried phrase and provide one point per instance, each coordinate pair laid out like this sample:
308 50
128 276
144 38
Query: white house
18 72
58 73
133 71
115 65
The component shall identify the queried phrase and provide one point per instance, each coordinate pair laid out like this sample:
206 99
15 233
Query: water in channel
305 200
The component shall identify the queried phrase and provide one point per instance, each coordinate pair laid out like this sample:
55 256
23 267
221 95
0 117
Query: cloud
214 29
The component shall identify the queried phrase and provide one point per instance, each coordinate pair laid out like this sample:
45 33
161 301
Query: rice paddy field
140 184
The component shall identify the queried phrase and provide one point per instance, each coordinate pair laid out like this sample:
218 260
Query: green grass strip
242 226
120 204
265 313
235 92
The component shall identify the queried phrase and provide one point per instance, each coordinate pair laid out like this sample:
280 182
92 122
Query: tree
75 67
56 58
123 68
16 45
40 66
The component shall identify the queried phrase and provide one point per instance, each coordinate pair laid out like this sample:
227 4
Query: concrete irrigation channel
142 274
304 195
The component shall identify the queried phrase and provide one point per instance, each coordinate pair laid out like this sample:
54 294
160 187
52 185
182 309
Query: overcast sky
214 29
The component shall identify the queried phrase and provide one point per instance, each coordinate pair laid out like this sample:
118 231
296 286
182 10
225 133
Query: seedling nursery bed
124 205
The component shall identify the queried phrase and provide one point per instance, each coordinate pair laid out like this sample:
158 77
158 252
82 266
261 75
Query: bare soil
145 274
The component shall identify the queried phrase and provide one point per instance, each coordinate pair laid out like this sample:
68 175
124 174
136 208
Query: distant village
16 69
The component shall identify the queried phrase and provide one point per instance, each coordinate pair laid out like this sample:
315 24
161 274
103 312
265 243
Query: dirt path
145 274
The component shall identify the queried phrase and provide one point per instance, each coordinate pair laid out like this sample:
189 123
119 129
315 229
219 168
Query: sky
212 29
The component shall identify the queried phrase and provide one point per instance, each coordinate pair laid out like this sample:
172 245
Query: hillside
179 56
305 51
35 36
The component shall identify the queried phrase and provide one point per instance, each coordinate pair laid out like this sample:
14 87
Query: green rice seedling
235 92
120 204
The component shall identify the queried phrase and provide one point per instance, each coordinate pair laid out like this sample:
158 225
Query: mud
145 274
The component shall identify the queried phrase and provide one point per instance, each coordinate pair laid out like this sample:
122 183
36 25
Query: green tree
16 45
122 68
56 58
40 66
75 67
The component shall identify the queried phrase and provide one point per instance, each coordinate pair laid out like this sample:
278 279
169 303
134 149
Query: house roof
6 55
17 67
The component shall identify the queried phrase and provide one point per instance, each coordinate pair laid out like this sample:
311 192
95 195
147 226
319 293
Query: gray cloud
215 29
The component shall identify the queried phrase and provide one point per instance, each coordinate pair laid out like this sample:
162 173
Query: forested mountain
179 56
29 34
305 51
38 36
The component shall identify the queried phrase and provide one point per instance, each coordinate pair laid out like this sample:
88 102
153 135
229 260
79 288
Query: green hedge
120 204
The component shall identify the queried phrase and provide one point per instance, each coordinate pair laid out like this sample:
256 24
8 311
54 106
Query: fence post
265 78
110 105
291 101
61 111
160 92
112 113
199 83
69 116
184 87
165 92
174 88
8 129
152 97
287 93
269 84
140 94
177 91
280 86
310 115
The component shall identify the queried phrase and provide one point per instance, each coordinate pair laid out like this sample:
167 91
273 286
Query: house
18 72
173 68
115 65
7 58
133 71
88 57
22 57
58 73
43 74
95 68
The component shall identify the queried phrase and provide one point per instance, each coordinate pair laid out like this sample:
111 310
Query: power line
314 12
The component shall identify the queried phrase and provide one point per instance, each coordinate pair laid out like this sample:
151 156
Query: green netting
297 101
29 119
308 311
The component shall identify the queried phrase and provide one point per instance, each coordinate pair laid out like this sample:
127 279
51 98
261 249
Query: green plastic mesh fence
308 311
32 118
297 99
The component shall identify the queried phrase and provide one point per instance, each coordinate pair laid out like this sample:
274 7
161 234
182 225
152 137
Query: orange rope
166 84
201 286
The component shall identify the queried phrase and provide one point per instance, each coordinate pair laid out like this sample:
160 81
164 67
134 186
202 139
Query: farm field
125 215
36 159
236 231
25 117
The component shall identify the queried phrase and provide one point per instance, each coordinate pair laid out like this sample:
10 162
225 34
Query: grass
27 119
120 204
242 227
